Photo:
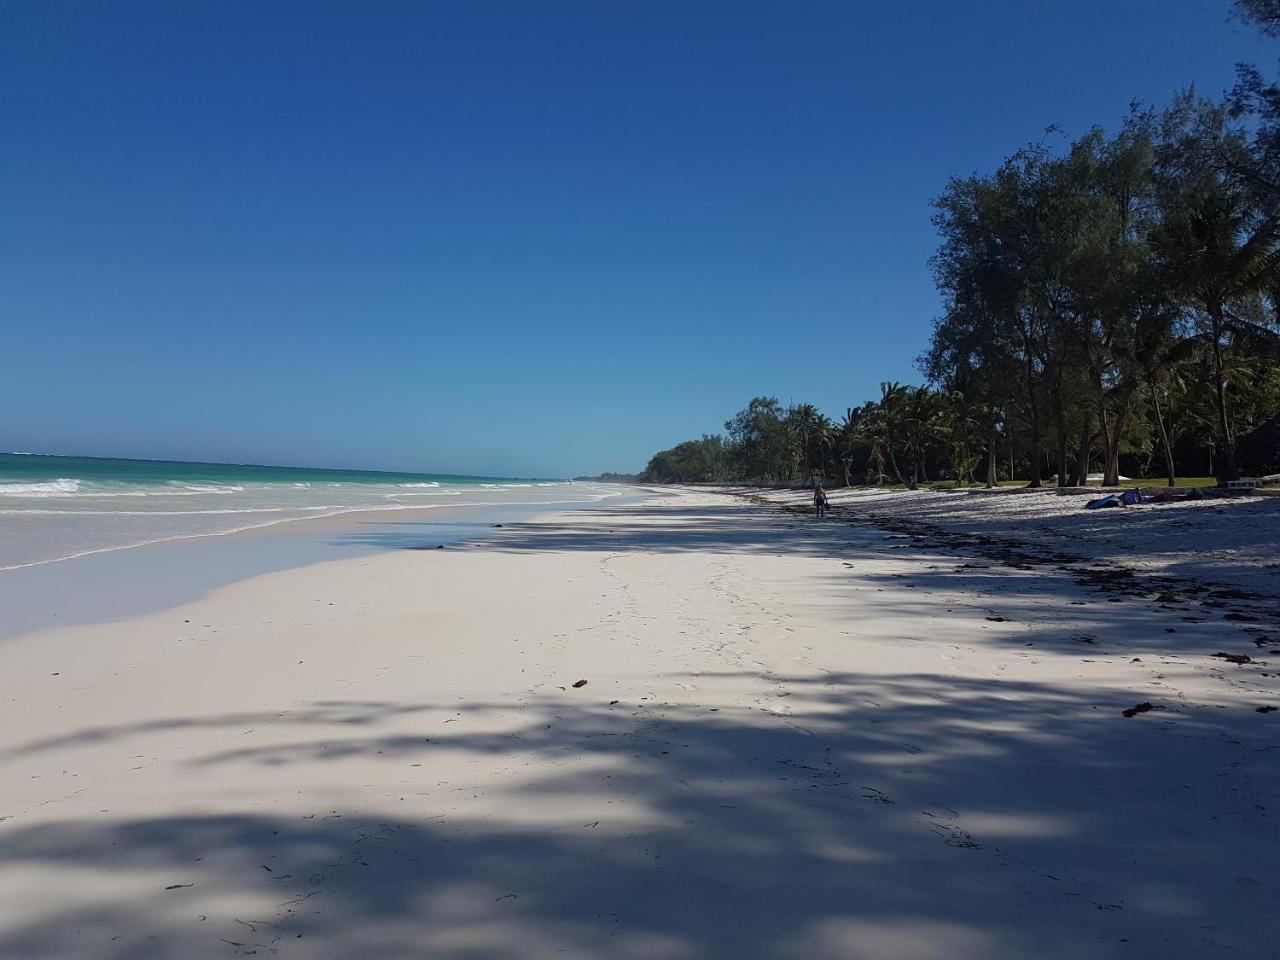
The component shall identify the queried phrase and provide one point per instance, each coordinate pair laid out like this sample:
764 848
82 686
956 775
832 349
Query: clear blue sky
507 238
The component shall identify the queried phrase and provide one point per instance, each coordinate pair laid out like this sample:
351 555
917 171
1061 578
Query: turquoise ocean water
32 473
57 508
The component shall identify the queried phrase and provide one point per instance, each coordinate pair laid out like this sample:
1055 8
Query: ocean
58 508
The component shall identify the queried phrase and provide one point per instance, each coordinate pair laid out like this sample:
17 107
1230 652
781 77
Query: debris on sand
579 683
1238 658
1233 593
1137 708
182 886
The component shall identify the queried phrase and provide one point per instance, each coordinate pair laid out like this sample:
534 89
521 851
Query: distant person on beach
819 501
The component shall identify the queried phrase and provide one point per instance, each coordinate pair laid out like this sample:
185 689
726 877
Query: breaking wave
62 487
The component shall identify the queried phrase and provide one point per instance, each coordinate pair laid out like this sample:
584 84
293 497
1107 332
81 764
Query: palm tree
824 435
848 436
921 415
1220 252
1220 270
882 425
956 423
806 419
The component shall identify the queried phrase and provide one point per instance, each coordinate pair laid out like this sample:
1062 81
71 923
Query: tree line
1109 303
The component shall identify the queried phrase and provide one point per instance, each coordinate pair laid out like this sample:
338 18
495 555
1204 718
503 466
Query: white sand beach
795 740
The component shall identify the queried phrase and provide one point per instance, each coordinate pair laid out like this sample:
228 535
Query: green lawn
1180 482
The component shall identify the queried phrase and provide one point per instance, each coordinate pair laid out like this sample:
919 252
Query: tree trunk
1164 437
1037 453
1081 478
1105 428
1111 447
1061 419
893 462
1034 409
1227 467
991 458
1111 470
1113 466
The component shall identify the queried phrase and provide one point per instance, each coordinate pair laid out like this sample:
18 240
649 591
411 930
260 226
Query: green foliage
694 461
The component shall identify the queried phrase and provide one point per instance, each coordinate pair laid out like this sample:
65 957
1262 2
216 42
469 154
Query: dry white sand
796 740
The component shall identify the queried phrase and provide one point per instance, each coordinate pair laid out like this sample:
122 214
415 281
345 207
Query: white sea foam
417 484
180 490
205 487
423 493
62 487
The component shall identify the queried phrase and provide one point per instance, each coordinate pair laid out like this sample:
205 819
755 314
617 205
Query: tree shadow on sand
905 816
749 529
657 528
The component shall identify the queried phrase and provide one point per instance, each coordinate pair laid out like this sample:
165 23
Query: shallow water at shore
116 584
56 508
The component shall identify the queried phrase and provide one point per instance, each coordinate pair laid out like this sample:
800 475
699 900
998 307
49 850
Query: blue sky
507 238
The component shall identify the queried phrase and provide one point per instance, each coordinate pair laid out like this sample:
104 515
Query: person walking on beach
819 501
